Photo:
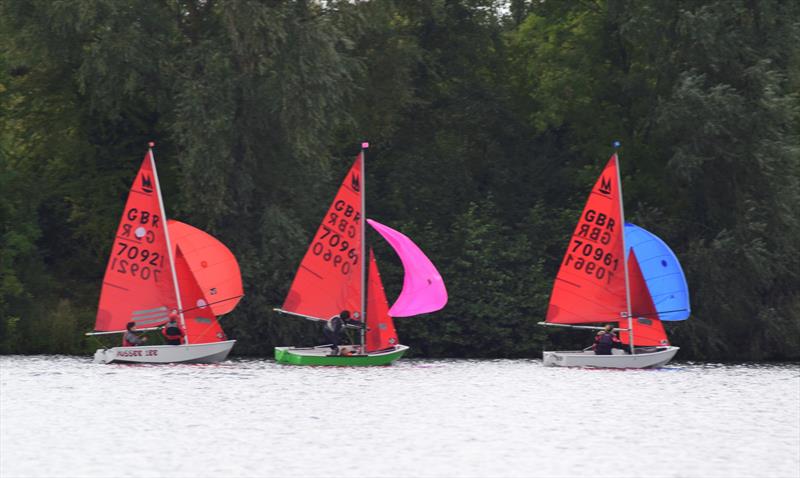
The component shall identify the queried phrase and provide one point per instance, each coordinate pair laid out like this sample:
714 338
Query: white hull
192 353
644 358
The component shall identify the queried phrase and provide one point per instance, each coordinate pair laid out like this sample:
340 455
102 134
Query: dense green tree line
488 120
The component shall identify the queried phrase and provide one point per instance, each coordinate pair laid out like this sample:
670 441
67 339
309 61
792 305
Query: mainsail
329 277
212 265
380 334
138 284
423 287
590 285
662 272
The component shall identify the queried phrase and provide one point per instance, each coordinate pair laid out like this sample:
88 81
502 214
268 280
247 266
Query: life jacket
335 324
172 332
604 343
125 341
606 340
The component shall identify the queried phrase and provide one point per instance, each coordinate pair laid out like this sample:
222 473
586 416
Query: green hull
319 356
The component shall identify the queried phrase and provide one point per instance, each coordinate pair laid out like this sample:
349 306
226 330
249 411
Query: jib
143 217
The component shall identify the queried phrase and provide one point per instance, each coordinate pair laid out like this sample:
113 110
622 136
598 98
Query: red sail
590 285
138 281
647 329
329 278
380 327
200 322
212 264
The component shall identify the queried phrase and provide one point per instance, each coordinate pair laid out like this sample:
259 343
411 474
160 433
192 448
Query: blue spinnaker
662 272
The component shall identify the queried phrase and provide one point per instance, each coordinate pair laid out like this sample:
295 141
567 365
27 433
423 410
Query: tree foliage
489 122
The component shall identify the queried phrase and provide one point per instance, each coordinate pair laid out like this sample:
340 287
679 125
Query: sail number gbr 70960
337 240
592 260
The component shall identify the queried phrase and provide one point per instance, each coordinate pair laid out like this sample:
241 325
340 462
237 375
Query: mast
166 236
624 254
364 146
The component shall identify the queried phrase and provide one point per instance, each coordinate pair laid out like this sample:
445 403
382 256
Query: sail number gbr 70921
337 239
137 261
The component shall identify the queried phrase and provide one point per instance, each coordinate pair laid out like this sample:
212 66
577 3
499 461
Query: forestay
647 329
201 323
381 333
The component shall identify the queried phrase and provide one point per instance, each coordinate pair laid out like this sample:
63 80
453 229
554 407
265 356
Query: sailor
605 340
131 338
334 326
172 332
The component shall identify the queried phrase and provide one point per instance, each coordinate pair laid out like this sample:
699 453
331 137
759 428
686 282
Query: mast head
151 144
364 144
616 144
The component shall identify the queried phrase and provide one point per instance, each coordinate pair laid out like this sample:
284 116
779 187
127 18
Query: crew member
605 340
172 332
131 338
334 326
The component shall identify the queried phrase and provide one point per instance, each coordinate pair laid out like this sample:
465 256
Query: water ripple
67 416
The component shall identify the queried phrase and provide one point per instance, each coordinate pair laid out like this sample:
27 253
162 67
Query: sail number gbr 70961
338 240
592 260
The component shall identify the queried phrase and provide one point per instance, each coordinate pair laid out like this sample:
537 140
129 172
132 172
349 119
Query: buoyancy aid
172 332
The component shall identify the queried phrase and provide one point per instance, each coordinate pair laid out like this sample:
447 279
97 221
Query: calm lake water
65 416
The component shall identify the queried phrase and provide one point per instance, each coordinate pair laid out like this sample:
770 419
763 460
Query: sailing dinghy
158 266
333 277
596 284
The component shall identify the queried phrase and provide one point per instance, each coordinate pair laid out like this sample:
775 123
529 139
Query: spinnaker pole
169 244
624 255
364 146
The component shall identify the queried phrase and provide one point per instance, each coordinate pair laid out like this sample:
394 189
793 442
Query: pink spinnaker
423 287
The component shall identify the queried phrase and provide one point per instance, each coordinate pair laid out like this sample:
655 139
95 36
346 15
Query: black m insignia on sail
355 183
147 184
605 186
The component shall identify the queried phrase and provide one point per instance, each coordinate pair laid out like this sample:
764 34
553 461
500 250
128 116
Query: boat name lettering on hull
137 353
